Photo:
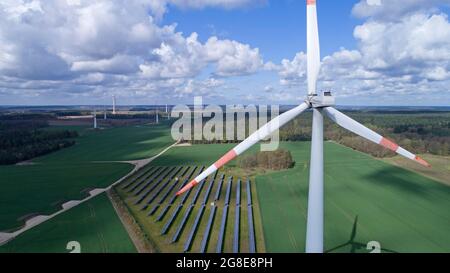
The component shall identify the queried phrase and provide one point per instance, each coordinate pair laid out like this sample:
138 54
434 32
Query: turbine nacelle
324 99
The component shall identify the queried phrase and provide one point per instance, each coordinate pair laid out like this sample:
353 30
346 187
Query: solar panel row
208 191
156 193
172 200
147 172
154 186
190 238
249 193
162 214
147 182
219 188
236 229
166 194
238 193
170 221
222 230
228 194
147 178
208 229
251 230
183 222
186 195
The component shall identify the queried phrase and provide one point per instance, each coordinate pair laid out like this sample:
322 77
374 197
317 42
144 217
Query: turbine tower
157 116
95 119
320 104
114 104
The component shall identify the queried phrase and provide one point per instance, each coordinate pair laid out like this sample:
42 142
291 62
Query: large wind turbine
320 104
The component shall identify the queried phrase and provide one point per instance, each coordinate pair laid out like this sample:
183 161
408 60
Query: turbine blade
313 46
359 129
260 134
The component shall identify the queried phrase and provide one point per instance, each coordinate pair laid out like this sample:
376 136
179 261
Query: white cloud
115 43
406 56
393 10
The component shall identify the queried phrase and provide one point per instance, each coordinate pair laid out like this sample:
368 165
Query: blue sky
278 28
374 52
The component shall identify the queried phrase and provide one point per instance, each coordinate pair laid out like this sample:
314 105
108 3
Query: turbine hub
324 99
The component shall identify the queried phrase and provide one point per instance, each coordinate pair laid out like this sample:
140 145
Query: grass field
440 170
93 224
365 200
43 188
114 144
66 174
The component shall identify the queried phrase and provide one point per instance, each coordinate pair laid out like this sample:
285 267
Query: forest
22 139
274 160
419 132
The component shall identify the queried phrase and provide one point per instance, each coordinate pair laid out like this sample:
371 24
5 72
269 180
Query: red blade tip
422 162
187 187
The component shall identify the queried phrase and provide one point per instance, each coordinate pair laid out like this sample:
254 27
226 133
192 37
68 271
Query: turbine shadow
354 244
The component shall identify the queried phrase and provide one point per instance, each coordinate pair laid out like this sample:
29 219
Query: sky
373 52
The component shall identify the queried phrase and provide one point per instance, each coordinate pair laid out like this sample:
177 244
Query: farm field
365 200
48 181
170 222
93 224
440 170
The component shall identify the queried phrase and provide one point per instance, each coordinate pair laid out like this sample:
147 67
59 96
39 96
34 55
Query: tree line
25 139
419 132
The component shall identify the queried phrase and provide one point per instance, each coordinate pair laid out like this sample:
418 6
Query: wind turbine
95 118
320 104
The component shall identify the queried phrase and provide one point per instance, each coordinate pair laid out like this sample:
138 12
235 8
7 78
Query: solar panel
162 214
190 238
222 230
238 193
156 184
208 229
148 172
219 188
227 196
249 193
208 191
170 221
236 229
146 182
155 194
251 230
152 176
183 222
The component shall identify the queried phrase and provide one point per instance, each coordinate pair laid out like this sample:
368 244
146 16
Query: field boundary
134 230
39 219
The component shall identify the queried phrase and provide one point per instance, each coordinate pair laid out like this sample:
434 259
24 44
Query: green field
69 173
114 144
93 224
365 200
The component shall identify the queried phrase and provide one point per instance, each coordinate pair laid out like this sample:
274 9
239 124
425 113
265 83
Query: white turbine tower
95 119
320 104
114 105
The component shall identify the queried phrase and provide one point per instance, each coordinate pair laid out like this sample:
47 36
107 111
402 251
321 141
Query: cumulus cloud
406 55
115 43
393 10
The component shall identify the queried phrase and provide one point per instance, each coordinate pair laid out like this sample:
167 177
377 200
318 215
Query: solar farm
215 217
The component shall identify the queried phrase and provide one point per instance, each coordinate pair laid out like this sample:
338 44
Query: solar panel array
155 188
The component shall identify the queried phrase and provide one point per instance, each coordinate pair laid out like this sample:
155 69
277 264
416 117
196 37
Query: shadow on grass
354 245
394 177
